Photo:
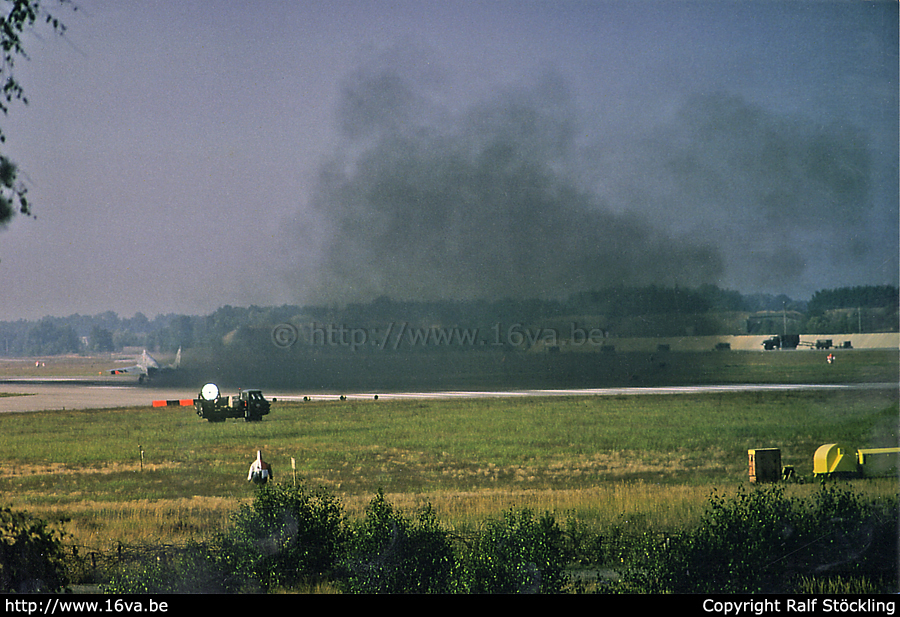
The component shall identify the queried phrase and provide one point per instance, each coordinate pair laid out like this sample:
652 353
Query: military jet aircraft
147 367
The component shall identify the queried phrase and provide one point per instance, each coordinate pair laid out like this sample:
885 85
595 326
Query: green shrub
191 569
736 548
288 535
854 539
31 555
761 541
389 553
519 553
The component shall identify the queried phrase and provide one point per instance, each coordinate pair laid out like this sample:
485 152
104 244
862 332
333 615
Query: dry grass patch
9 471
612 503
602 505
99 525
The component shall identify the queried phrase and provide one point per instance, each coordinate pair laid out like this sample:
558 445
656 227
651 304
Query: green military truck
250 405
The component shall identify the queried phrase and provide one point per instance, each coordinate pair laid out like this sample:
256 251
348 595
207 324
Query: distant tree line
653 300
843 310
877 296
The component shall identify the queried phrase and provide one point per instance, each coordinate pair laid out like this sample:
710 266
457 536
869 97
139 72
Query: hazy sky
185 155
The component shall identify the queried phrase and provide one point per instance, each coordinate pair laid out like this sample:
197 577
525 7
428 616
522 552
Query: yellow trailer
837 459
875 462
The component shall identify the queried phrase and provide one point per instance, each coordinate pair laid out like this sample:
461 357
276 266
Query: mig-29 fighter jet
147 367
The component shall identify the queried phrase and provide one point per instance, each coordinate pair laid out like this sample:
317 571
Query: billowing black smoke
785 197
424 201
478 204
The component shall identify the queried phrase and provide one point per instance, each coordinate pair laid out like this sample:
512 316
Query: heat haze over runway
30 395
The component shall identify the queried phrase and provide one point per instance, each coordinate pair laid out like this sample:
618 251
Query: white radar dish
209 392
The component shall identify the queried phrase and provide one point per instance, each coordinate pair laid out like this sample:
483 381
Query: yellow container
834 458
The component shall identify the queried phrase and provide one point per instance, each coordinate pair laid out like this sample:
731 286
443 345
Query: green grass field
160 476
145 474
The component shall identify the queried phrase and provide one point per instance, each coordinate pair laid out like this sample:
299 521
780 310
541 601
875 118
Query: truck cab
254 405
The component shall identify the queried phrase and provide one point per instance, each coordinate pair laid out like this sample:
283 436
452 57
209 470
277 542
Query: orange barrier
185 402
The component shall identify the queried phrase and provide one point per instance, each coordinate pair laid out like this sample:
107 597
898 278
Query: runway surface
73 394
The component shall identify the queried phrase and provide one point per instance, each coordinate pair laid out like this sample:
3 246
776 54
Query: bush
855 540
287 536
518 554
762 541
389 553
31 555
191 569
734 549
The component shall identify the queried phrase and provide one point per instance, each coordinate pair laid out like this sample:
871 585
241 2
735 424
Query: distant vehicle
784 341
250 405
147 367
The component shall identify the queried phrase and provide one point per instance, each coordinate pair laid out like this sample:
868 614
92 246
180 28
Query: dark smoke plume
479 204
787 195
504 199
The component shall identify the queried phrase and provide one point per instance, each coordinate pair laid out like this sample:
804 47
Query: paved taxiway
59 394
73 394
